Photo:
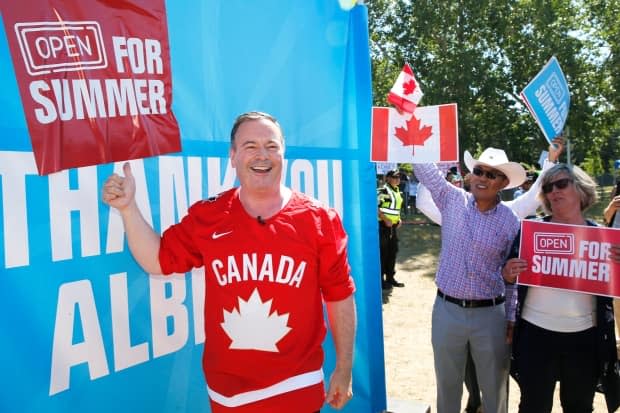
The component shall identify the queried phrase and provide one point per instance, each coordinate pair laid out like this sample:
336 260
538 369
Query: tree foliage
481 54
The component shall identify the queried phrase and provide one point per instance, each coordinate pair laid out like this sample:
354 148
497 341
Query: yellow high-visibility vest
390 201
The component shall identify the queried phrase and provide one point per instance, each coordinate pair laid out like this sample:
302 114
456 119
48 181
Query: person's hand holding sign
512 269
556 148
614 253
510 273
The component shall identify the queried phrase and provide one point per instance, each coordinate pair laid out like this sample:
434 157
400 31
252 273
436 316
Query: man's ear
231 156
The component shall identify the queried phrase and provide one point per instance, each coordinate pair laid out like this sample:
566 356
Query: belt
472 303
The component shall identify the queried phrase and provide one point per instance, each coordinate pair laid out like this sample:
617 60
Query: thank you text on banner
84 327
570 257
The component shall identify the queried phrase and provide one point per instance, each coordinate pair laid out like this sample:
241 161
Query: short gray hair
253 115
584 185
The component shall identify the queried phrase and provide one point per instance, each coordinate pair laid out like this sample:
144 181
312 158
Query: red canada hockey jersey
265 282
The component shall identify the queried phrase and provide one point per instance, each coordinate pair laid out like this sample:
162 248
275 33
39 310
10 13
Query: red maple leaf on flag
409 87
413 134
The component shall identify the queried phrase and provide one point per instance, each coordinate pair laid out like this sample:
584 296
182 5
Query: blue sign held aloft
548 99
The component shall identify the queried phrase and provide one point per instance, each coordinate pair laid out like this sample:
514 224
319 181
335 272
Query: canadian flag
430 134
406 92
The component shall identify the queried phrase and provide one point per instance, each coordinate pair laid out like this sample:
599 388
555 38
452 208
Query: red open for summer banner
570 257
94 79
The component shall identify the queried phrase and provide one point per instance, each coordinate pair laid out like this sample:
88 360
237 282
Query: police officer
390 200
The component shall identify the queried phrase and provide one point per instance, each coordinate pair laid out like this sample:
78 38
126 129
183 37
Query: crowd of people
484 326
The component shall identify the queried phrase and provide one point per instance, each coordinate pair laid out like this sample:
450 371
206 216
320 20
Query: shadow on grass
419 247
385 296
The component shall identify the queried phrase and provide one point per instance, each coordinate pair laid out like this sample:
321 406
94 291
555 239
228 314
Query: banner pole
568 159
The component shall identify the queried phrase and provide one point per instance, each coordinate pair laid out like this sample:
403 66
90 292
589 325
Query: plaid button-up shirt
474 244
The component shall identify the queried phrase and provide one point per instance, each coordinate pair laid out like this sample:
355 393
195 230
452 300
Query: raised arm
528 203
343 323
119 192
611 209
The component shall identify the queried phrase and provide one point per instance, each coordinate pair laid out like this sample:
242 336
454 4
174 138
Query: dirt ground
407 323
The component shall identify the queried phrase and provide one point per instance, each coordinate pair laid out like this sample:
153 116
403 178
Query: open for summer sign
95 81
570 257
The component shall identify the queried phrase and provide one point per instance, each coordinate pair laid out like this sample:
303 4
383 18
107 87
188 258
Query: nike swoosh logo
217 235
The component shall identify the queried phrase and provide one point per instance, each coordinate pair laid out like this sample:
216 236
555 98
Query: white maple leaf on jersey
252 327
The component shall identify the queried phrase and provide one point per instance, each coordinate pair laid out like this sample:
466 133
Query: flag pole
568 159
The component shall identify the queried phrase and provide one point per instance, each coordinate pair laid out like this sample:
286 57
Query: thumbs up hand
119 192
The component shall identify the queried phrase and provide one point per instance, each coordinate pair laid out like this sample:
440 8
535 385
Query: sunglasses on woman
491 175
560 184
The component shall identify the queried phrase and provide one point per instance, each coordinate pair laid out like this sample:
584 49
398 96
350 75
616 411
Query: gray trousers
484 328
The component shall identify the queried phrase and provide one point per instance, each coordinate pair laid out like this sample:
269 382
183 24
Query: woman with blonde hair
563 335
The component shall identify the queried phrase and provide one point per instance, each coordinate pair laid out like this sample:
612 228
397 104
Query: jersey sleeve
178 251
334 270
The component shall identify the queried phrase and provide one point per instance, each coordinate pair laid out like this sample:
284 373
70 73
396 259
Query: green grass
419 246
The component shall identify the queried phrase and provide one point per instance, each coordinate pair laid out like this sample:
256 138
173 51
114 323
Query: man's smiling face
257 154
485 188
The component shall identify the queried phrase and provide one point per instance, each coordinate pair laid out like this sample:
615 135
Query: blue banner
83 327
548 99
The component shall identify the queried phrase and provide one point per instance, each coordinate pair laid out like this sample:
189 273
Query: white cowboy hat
497 159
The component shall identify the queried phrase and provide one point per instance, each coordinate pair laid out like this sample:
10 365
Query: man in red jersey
271 256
